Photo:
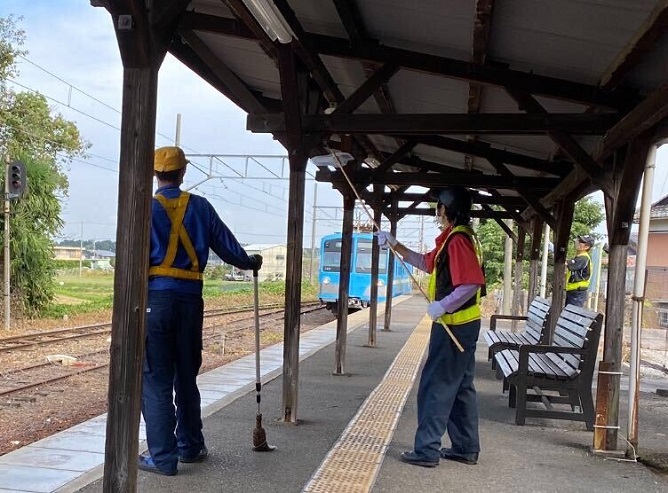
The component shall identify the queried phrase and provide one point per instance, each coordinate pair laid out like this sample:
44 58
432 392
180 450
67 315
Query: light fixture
271 20
336 159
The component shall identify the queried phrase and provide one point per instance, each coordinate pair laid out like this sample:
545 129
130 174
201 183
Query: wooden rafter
481 29
464 179
457 69
397 156
369 87
485 150
565 142
502 224
421 211
447 123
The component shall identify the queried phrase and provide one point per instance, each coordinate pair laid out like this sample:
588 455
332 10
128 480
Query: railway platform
351 431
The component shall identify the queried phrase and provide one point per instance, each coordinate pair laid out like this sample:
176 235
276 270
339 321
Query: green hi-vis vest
578 280
469 312
176 210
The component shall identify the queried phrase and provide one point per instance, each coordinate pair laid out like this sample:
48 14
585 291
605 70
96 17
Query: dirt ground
41 412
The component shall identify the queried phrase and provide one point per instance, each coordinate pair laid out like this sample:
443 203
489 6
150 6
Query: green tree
46 143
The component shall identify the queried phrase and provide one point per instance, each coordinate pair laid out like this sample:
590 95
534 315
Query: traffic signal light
17 179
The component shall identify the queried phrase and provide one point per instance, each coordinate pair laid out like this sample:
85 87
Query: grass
93 292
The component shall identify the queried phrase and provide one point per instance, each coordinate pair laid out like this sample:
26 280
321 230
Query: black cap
586 239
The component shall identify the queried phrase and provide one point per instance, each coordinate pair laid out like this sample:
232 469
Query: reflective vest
470 310
176 210
578 280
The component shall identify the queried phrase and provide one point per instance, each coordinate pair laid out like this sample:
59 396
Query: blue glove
384 238
435 310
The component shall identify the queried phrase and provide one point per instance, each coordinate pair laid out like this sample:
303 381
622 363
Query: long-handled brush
259 435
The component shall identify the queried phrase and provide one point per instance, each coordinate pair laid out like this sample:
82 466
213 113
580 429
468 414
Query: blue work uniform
447 399
183 228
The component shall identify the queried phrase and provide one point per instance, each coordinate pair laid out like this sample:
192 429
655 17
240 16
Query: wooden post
534 257
390 269
517 289
143 37
344 282
130 278
290 73
375 258
620 212
561 237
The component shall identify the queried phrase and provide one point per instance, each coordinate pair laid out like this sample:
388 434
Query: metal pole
637 304
315 201
7 291
597 289
543 266
507 272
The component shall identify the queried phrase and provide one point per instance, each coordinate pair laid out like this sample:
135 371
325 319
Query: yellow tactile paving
352 464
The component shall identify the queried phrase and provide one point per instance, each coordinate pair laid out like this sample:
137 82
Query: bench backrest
578 328
537 318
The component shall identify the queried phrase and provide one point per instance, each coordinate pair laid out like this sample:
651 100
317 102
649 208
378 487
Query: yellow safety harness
176 210
472 312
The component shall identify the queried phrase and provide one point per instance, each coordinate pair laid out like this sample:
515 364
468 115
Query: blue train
359 289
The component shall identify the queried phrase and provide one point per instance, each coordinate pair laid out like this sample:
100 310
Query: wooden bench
566 366
533 333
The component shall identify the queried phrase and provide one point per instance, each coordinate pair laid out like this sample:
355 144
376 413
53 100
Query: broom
259 435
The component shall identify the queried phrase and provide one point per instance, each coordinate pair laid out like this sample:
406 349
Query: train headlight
326 280
380 283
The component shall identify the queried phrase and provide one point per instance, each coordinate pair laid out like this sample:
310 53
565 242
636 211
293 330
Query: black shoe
471 459
416 460
203 453
146 464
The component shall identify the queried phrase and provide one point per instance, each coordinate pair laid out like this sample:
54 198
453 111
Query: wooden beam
447 123
421 211
370 86
642 43
240 92
509 201
195 21
528 194
440 179
397 156
165 14
344 283
566 143
648 114
485 150
470 72
498 218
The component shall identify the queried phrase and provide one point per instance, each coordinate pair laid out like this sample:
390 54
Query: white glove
435 310
384 238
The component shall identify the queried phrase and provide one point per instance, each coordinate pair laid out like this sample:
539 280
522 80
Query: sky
73 59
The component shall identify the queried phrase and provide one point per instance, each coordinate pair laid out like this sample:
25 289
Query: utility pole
81 250
7 293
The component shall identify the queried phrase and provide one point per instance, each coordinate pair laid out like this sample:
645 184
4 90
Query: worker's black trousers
173 359
446 396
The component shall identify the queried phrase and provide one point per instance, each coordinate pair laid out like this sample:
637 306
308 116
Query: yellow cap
169 159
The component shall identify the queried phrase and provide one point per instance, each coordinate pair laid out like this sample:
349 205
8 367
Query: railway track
30 340
46 373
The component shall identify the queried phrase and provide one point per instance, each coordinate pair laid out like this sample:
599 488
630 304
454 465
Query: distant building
273 260
67 253
657 258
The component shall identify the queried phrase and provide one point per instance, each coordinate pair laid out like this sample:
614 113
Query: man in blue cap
578 272
184 227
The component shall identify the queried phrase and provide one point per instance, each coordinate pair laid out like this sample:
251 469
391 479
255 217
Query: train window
331 259
363 258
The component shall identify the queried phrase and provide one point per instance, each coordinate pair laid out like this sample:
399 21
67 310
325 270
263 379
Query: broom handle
256 306
377 226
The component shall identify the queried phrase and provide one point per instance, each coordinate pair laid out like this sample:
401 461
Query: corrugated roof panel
652 71
415 92
247 60
571 39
